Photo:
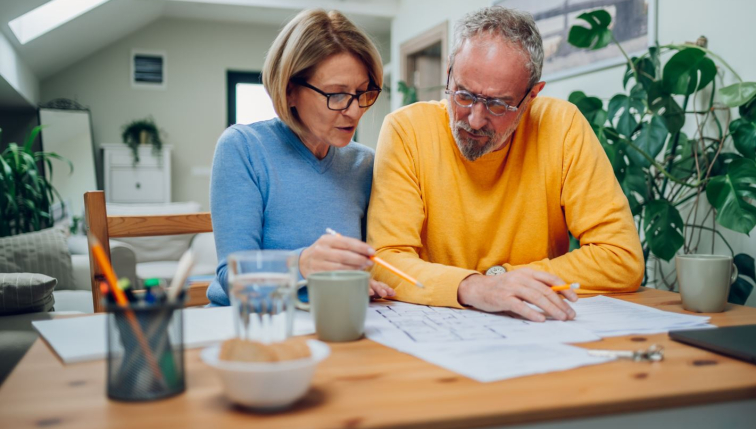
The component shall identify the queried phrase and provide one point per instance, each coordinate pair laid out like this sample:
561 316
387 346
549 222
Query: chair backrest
103 227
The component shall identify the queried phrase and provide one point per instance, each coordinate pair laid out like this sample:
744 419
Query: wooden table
364 384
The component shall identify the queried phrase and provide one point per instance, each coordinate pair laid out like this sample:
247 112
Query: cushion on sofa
26 293
162 248
45 252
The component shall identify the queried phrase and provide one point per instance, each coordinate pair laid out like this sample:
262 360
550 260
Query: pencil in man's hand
565 287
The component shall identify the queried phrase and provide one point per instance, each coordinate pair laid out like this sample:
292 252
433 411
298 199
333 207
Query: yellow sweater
440 218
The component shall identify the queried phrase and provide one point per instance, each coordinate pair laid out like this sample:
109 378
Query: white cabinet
149 181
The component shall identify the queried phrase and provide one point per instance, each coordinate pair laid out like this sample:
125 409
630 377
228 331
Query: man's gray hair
512 25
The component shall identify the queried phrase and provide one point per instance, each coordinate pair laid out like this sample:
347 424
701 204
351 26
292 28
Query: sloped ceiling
115 19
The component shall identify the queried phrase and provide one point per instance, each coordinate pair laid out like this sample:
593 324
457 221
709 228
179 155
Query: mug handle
306 305
734 275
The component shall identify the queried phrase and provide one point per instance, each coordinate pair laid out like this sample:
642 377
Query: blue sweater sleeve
236 200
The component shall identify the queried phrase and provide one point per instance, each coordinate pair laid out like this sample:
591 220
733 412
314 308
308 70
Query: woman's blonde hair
311 37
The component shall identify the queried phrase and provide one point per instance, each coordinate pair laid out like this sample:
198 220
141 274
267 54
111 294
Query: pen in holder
131 371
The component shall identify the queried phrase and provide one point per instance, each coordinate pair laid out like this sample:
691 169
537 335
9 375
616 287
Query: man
492 180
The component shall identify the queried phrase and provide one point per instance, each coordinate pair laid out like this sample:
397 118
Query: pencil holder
145 351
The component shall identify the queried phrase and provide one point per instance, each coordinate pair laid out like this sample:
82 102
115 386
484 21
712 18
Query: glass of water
262 285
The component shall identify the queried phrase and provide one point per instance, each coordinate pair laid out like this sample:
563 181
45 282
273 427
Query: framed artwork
633 24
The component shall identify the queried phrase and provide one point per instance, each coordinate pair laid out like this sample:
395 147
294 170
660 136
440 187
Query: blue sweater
268 191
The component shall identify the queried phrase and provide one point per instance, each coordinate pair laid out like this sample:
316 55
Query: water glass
262 285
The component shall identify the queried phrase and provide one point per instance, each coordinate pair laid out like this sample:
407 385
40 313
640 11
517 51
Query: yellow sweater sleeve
395 219
610 258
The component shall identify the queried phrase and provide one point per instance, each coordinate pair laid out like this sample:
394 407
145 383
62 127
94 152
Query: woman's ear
290 95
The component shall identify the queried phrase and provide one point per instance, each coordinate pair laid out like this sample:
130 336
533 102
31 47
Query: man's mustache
481 133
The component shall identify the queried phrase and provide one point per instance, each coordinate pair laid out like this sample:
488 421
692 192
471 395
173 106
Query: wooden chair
103 227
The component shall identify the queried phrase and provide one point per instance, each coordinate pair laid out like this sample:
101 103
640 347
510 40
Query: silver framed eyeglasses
342 100
495 106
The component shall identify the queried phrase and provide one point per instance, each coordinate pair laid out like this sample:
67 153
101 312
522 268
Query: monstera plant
674 141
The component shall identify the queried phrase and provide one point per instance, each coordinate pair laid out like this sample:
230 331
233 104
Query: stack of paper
611 317
491 347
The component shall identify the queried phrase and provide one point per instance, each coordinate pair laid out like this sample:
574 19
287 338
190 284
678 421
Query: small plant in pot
142 132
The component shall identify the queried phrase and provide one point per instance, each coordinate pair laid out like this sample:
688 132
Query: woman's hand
336 252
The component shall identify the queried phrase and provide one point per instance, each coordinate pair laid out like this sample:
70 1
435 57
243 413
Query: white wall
191 110
18 75
727 25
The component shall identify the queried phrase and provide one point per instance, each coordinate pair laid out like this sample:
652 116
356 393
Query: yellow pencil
386 265
565 287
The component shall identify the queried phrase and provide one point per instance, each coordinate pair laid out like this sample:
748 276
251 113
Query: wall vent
148 69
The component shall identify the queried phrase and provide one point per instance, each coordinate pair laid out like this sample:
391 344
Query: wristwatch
496 270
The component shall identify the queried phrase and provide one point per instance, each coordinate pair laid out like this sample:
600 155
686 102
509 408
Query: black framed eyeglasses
495 106
342 100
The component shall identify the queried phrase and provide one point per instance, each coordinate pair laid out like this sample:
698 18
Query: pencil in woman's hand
386 265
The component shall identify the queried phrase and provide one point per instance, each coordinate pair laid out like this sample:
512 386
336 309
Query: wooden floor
366 385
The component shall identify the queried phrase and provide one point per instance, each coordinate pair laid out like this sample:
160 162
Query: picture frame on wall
633 24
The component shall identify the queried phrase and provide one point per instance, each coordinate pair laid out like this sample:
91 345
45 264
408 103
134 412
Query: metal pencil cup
145 351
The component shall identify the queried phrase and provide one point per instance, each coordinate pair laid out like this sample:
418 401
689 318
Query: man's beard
471 148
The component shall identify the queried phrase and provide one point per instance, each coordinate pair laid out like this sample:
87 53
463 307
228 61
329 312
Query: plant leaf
681 73
634 185
684 165
597 35
727 194
662 103
746 266
744 137
663 226
32 136
738 94
748 110
590 107
740 291
650 140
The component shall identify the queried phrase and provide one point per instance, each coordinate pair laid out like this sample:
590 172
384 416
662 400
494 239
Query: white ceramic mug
705 281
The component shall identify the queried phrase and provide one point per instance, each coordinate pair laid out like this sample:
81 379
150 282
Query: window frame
234 77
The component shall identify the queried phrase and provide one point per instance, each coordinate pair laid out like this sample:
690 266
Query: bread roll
239 350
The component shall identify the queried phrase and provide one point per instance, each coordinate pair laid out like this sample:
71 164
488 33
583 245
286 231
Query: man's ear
536 89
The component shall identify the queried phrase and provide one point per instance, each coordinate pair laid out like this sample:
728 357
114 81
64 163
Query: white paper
409 327
486 363
79 339
609 317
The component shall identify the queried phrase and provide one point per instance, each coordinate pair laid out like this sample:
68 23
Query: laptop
738 342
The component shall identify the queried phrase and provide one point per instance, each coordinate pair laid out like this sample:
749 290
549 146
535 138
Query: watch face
496 270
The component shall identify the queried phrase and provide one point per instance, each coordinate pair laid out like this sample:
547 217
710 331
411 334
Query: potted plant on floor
669 175
142 132
26 194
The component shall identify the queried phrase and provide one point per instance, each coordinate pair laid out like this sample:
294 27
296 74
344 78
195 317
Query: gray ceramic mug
705 281
338 303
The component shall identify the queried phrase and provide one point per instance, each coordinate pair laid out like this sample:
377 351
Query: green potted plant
139 132
666 172
25 193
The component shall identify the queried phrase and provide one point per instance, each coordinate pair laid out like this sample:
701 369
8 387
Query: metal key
655 353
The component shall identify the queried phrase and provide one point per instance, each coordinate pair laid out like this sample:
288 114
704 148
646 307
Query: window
247 100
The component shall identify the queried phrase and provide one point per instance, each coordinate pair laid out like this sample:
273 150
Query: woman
279 184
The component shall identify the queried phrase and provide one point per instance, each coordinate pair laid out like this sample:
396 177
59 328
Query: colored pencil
120 297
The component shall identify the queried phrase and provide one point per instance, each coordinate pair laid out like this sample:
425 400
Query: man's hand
511 291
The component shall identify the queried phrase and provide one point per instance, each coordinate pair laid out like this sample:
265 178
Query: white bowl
266 385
